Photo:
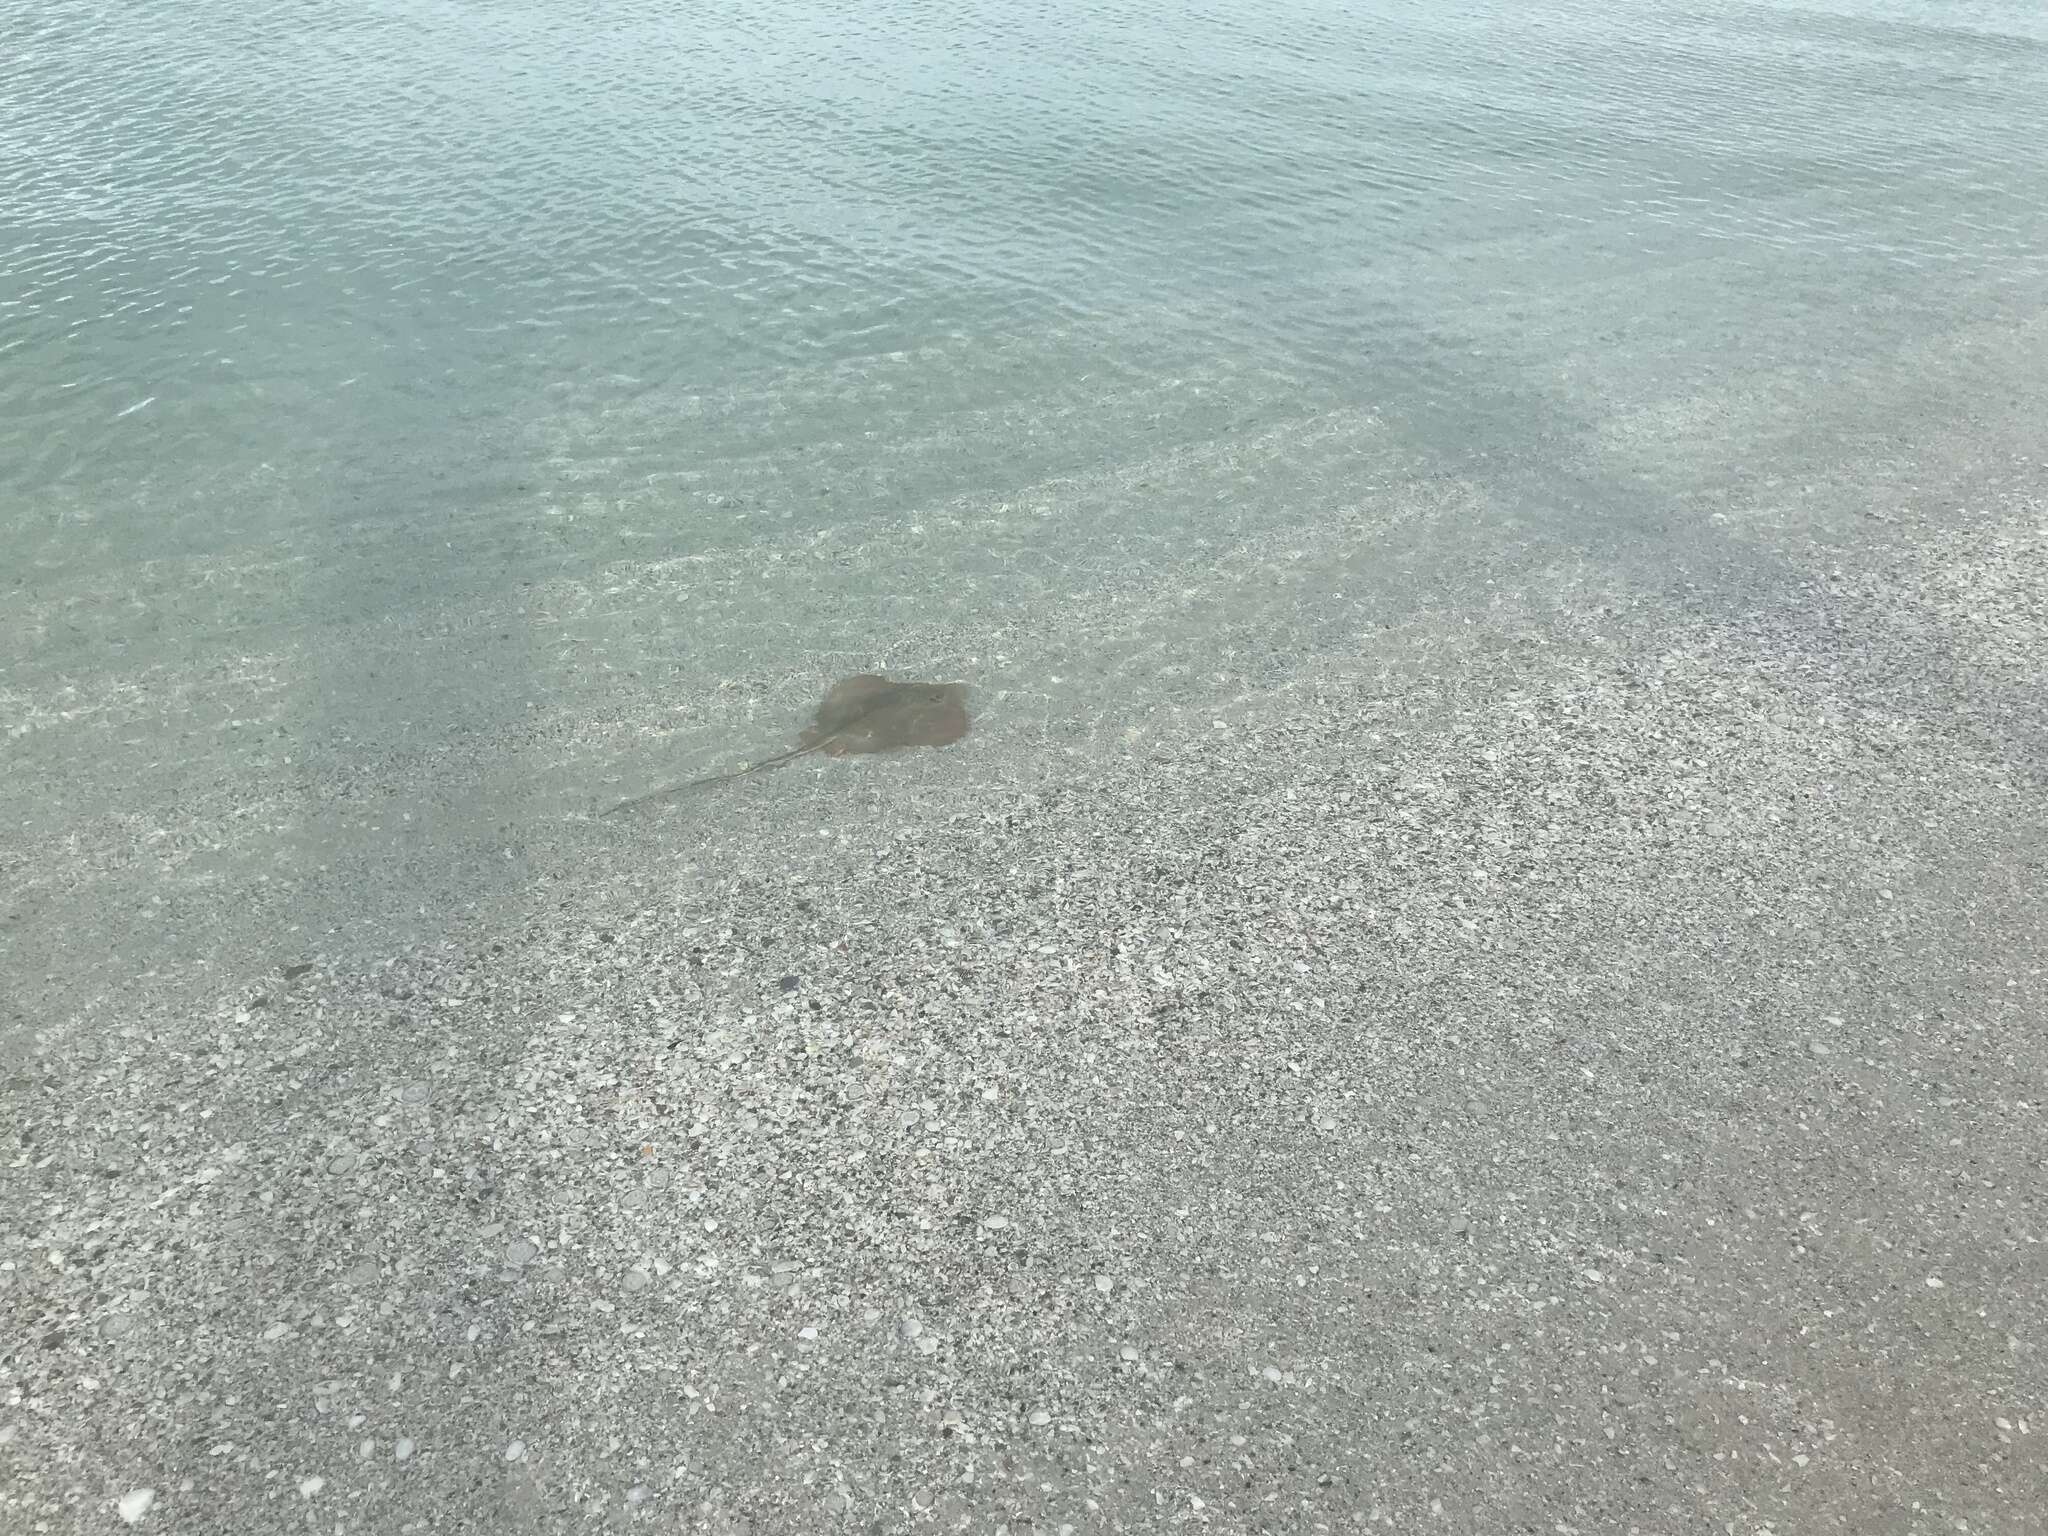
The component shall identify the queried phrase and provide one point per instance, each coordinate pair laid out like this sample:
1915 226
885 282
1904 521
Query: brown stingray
860 714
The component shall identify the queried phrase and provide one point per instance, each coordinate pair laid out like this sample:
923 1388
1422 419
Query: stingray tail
706 782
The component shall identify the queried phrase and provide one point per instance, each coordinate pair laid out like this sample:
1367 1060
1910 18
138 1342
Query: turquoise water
419 421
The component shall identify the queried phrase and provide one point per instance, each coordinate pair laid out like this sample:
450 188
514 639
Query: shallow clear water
411 412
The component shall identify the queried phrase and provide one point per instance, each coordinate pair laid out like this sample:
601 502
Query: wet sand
1573 1060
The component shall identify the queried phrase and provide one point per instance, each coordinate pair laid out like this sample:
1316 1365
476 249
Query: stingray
860 714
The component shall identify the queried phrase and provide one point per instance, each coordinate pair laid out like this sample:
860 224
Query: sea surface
422 421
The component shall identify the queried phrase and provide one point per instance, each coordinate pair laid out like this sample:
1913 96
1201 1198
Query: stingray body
860 714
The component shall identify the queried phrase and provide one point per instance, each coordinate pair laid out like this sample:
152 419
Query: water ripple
352 233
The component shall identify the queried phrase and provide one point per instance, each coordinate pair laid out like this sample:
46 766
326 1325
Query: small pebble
1104 1284
342 1162
403 1450
1040 1417
1128 1352
135 1505
515 1450
414 1093
638 1279
310 1486
1934 1282
520 1251
275 1332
